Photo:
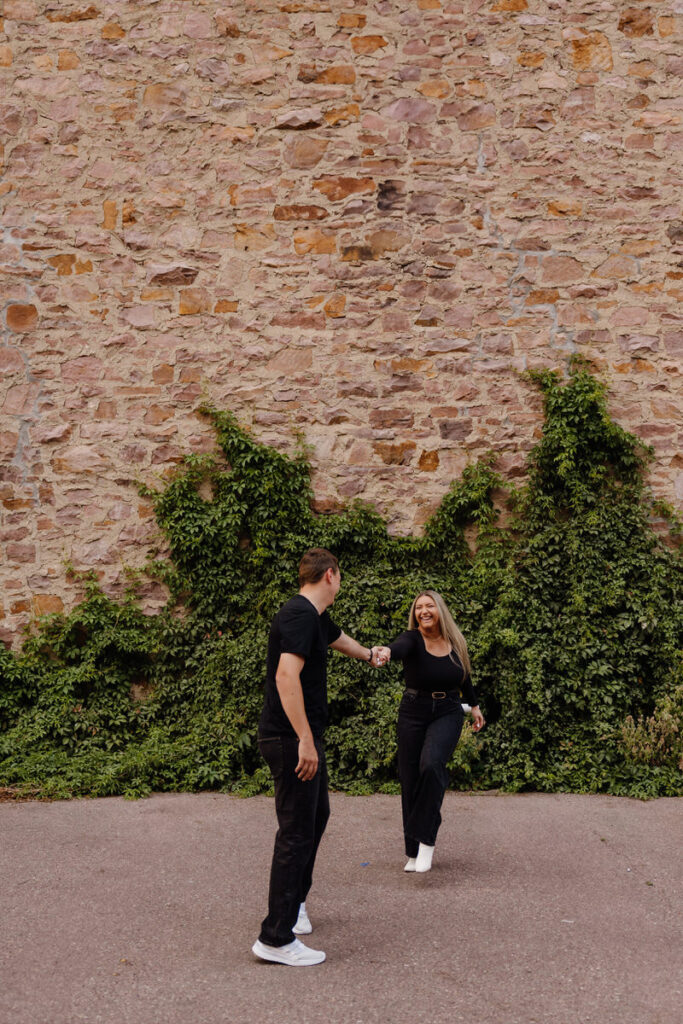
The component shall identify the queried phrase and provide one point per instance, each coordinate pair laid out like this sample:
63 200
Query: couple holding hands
436 670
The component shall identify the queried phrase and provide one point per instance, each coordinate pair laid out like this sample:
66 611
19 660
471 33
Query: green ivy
569 599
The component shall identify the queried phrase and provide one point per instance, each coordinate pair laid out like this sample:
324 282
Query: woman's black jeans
428 732
302 809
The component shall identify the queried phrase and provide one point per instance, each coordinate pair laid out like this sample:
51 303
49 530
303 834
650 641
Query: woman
436 669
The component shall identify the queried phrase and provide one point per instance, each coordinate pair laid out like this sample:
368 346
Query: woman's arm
470 697
403 645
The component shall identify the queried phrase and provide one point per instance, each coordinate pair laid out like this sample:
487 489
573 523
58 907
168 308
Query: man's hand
308 759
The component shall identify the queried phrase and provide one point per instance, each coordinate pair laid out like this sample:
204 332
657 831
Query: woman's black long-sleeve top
430 673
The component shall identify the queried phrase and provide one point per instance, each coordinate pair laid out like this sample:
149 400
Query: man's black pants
428 732
302 809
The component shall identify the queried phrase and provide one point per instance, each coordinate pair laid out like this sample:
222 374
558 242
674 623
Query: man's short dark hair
315 564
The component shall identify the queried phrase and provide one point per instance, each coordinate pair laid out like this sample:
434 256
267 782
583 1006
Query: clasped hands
380 656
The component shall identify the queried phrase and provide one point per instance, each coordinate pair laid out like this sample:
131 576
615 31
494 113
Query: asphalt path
540 909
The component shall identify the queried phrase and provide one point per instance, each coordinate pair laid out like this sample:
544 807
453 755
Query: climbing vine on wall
570 601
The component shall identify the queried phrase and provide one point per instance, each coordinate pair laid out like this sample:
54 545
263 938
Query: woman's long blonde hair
449 630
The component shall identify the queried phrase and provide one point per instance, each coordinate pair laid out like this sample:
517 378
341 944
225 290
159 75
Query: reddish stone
8 442
673 342
313 240
561 270
300 212
620 268
157 414
63 264
56 433
357 253
309 321
334 307
253 239
112 31
306 117
429 461
349 112
638 343
194 300
85 368
542 296
367 44
84 14
395 454
292 360
386 241
455 430
436 89
565 208
20 10
10 361
531 59
635 22
79 459
592 52
339 187
21 317
19 400
481 116
655 432
226 24
106 410
20 552
170 273
411 109
537 117
305 152
343 74
164 94
352 20
391 418
47 604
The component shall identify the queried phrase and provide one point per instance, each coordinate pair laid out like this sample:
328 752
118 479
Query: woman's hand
478 722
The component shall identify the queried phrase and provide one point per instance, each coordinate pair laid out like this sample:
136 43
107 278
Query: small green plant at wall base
570 602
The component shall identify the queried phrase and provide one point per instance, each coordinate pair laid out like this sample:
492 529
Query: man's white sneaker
410 864
303 926
294 954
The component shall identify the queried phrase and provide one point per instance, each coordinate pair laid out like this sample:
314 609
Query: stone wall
356 220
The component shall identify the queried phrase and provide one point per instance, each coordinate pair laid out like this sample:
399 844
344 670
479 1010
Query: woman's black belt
435 694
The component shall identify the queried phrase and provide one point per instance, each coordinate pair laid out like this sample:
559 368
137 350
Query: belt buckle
438 694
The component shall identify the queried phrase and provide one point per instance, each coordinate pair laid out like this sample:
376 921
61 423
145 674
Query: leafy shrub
570 601
657 740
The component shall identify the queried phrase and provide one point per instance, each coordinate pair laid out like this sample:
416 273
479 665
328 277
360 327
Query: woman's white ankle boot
423 861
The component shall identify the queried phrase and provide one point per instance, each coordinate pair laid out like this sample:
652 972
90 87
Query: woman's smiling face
426 613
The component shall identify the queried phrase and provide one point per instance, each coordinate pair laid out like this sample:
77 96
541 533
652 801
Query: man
290 740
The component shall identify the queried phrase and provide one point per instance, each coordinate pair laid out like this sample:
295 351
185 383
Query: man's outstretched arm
347 645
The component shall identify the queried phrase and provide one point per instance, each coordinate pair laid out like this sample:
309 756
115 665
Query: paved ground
539 910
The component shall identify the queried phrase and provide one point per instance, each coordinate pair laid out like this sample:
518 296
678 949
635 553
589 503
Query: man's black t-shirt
299 629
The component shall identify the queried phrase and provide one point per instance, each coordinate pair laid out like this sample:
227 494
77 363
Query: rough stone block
367 44
339 187
22 317
400 454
